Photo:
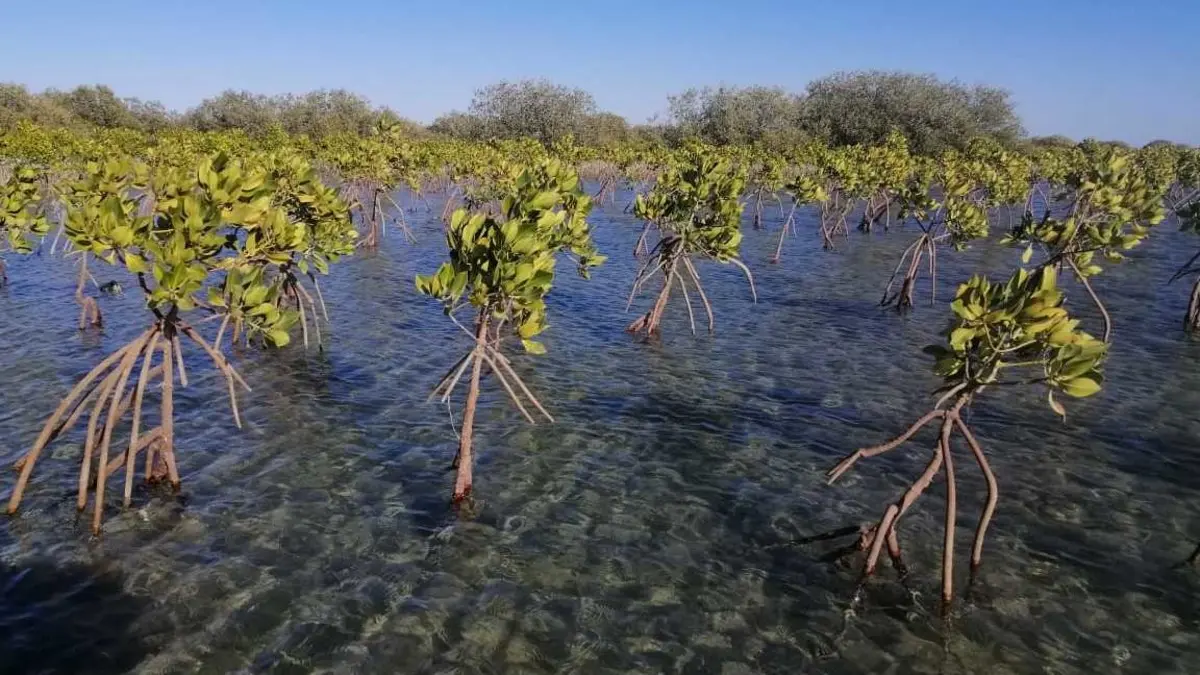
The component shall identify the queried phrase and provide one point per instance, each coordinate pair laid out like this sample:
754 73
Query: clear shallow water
652 528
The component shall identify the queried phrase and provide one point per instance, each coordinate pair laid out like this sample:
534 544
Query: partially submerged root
940 459
485 352
669 259
874 212
833 220
106 389
307 306
864 538
925 247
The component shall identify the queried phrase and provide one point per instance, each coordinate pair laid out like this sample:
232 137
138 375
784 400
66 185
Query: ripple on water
651 529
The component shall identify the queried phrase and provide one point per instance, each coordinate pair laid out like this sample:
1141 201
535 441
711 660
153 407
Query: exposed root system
107 389
677 270
941 460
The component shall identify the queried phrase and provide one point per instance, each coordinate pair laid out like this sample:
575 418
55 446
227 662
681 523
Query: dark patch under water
653 528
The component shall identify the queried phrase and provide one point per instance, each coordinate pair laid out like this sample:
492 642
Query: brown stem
647 324
463 477
1192 321
887 290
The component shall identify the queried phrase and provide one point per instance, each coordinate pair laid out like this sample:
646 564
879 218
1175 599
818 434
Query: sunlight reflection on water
650 529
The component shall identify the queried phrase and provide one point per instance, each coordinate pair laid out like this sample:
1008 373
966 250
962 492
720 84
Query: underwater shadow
67 619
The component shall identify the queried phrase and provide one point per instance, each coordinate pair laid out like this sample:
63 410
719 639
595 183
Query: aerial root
500 366
648 323
695 276
676 269
993 497
789 226
1087 286
231 375
687 301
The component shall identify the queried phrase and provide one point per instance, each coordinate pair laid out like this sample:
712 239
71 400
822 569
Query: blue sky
1107 68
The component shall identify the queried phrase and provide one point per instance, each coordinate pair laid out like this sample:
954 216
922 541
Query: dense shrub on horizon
844 108
863 107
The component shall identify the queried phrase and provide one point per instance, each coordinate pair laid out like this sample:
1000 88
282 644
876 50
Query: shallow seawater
653 528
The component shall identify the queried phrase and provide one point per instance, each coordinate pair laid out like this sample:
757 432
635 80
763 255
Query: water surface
651 529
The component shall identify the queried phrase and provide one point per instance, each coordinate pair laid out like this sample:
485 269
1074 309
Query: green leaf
122 235
215 297
533 346
279 338
529 329
134 263
959 338
255 295
1027 255
544 201
1081 387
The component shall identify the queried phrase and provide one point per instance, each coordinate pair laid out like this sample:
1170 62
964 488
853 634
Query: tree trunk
465 461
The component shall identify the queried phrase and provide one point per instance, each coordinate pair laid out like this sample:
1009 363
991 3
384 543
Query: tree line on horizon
844 108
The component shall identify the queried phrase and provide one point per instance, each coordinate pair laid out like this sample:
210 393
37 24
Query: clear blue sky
1108 68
